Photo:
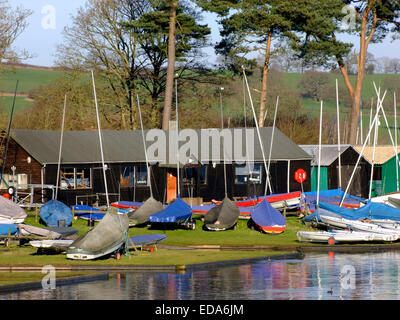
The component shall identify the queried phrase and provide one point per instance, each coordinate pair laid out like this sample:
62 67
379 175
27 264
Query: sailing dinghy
222 217
10 212
141 215
55 245
54 211
268 219
342 236
178 213
107 236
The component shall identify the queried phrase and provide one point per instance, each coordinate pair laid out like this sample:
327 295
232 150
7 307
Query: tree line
145 47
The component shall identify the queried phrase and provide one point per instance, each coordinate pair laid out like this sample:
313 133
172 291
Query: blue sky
41 38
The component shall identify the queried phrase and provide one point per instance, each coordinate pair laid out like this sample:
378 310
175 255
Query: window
82 178
131 174
141 175
127 176
9 179
22 178
251 173
75 178
190 175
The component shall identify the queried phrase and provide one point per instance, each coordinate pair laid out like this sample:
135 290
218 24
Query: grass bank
178 248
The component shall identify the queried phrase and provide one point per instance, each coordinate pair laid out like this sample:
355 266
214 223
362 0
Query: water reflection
317 276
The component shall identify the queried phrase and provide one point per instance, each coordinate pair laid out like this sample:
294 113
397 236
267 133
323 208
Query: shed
384 160
329 168
81 172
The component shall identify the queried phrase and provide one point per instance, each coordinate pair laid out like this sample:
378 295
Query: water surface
318 276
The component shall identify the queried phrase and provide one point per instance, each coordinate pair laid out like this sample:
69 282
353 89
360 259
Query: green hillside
31 78
28 78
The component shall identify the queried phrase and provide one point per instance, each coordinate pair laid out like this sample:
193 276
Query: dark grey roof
127 146
329 153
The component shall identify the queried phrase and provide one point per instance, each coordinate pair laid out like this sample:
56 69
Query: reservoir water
324 276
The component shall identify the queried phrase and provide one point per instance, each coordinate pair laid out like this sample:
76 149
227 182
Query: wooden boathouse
33 158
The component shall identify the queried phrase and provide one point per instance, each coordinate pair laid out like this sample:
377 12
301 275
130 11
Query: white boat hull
358 226
51 244
79 254
343 236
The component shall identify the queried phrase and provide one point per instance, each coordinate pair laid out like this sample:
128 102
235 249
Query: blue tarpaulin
371 210
53 211
5 228
265 215
330 196
177 211
147 239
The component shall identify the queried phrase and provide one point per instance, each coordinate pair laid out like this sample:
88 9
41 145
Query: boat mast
272 138
177 133
258 132
61 143
223 146
363 147
8 133
319 154
390 134
395 141
373 151
338 135
101 143
144 145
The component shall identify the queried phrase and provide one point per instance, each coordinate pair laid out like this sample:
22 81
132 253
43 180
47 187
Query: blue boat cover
146 239
53 211
332 195
371 210
84 211
176 212
4 228
265 215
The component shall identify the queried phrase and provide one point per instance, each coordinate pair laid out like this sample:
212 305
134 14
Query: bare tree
12 23
98 41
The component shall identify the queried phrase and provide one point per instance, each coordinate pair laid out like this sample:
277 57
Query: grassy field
241 237
28 79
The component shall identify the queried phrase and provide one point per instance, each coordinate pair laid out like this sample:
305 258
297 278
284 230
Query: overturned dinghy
222 217
56 245
27 230
142 214
178 213
54 211
107 236
268 219
10 212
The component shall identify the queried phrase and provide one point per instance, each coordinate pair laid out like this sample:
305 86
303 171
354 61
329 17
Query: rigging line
258 131
362 150
223 150
8 133
61 144
144 145
177 134
247 143
272 138
100 140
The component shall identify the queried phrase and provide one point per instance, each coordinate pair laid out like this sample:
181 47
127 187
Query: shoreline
103 271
